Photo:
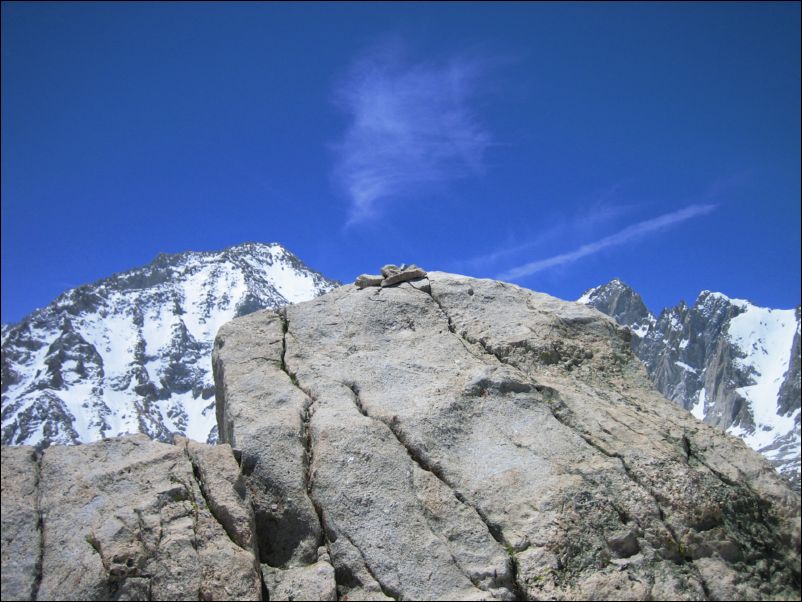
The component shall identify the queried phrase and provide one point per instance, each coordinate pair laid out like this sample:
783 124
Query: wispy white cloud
591 217
628 234
411 127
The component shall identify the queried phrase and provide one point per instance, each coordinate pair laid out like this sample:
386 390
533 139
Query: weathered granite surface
454 438
441 438
126 519
21 538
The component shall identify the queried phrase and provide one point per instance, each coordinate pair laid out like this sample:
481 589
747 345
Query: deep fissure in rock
452 329
686 446
307 411
306 417
40 524
423 463
211 507
386 589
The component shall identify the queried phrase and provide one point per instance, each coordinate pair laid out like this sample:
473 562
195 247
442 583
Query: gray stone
623 544
390 269
224 490
271 435
393 274
365 280
412 273
22 544
126 519
310 582
481 441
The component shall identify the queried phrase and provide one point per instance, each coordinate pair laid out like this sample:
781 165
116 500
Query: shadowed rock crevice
386 589
426 465
40 525
308 410
202 487
464 340
289 582
217 476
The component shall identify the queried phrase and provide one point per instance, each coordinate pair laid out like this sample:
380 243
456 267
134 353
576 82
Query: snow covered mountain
132 352
729 362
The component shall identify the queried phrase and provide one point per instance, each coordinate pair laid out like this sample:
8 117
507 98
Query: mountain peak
616 284
731 363
136 356
620 301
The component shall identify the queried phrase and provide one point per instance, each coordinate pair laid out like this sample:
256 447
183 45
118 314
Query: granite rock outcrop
126 519
455 438
440 438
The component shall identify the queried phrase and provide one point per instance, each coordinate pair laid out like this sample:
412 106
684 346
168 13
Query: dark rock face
131 352
790 394
458 438
732 364
621 303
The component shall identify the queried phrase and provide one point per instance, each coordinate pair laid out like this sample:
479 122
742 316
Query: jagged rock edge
306 417
209 505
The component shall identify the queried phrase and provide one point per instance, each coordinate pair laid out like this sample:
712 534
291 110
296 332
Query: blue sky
554 145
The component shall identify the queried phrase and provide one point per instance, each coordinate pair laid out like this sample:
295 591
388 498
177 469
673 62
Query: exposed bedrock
126 519
454 438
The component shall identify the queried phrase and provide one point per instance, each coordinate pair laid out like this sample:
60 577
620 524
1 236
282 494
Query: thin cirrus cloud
628 234
411 128
591 217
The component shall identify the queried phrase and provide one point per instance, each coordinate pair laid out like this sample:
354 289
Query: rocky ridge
732 364
454 438
130 353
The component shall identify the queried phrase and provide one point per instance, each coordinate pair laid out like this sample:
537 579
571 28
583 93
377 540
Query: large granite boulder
454 438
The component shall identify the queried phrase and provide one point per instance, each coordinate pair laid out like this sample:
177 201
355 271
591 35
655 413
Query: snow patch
587 296
765 337
698 409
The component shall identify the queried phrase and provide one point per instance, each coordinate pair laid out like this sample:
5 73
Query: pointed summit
129 353
620 301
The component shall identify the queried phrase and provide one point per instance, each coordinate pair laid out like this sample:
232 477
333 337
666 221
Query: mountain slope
729 362
130 353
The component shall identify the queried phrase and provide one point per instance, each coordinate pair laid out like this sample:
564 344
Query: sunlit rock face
455 438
